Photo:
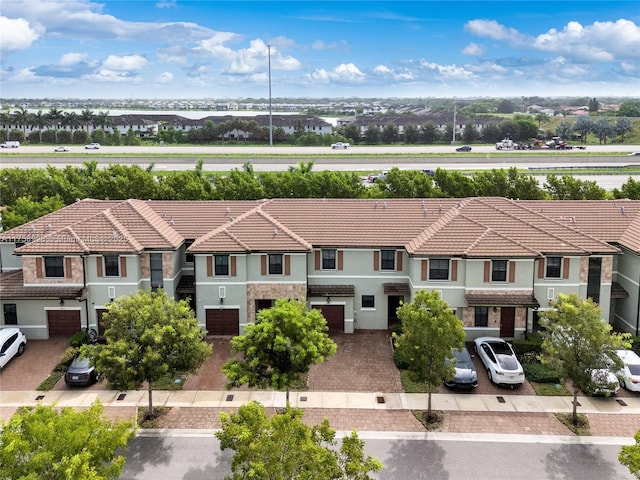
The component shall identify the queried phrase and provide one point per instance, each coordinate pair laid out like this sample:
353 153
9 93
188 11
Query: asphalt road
191 456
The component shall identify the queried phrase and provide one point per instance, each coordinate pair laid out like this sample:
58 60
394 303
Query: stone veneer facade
271 291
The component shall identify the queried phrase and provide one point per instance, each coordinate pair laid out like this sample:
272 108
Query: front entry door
393 302
507 322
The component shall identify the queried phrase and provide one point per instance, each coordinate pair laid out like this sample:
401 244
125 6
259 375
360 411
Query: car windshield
462 356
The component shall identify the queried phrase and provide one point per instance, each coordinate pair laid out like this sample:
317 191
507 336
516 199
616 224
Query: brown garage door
63 323
224 321
334 315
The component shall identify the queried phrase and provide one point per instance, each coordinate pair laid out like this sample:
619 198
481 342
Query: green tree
430 332
281 345
406 184
429 133
630 189
583 125
390 133
283 447
470 133
26 209
411 134
630 108
351 132
148 336
22 118
50 443
602 129
564 129
629 456
594 105
453 183
505 106
372 135
623 126
567 187
576 340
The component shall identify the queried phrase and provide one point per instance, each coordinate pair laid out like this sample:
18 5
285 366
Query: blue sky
322 48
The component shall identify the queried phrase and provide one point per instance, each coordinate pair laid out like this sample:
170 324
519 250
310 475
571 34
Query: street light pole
270 116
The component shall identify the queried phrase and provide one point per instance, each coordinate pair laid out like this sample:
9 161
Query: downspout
84 283
638 309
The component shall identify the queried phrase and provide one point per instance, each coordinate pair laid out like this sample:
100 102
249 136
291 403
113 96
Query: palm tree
87 117
71 120
55 116
22 118
103 120
40 120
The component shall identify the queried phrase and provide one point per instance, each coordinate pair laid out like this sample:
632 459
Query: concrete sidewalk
326 400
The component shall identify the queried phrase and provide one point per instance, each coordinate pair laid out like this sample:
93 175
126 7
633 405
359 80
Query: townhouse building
497 262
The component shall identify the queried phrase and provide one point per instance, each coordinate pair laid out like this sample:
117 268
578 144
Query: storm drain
229 398
39 397
380 399
501 399
303 399
121 396
621 402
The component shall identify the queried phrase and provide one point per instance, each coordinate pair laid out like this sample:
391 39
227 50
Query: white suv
92 146
12 343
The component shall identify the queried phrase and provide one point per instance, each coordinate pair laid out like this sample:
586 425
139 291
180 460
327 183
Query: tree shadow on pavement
577 462
410 459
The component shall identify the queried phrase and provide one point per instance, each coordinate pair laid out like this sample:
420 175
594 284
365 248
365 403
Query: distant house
496 262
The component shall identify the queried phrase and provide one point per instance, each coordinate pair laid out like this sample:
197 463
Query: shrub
67 357
537 372
78 339
635 344
400 361
533 343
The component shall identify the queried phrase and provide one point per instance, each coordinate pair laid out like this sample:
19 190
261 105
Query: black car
464 148
81 373
466 375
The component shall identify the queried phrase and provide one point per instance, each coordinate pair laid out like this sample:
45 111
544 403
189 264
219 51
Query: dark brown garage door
224 321
63 323
334 315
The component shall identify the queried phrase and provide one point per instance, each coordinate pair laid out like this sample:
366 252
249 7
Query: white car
340 146
605 380
12 343
503 367
92 146
630 374
61 149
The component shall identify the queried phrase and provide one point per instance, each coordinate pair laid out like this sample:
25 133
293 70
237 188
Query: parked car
630 374
503 367
10 144
12 343
605 380
80 373
92 146
464 148
340 146
466 375
61 149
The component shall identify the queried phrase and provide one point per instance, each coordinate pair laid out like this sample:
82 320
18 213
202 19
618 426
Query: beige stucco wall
29 271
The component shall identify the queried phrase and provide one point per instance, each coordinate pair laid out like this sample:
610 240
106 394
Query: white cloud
398 75
255 59
343 73
492 29
382 70
16 34
73 58
164 78
450 72
112 76
474 50
166 4
125 62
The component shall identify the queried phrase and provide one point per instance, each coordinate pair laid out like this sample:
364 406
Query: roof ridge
108 214
285 229
433 228
225 228
489 230
138 205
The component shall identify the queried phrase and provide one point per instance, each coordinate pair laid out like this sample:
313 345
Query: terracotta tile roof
330 290
505 298
253 231
145 225
612 221
12 287
396 288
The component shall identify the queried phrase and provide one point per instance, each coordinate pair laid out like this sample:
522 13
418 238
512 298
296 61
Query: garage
223 321
63 323
334 314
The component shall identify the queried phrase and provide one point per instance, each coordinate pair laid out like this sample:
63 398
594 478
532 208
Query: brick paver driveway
29 370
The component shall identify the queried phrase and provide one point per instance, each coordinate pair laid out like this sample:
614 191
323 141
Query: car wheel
21 349
489 375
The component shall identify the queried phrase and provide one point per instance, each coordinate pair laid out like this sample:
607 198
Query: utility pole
270 115
453 140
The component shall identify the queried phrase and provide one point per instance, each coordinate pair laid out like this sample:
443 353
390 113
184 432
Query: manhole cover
303 399
380 399
121 396
501 399
229 398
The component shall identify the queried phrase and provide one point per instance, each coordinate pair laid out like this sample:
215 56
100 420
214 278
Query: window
156 271
275 264
222 264
482 317
499 271
368 301
10 314
553 267
328 259
387 259
439 269
111 266
54 267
